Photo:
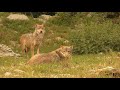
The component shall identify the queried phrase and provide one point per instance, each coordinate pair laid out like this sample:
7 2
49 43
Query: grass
11 30
78 67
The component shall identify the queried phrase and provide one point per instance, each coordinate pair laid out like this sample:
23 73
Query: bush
63 18
91 32
95 38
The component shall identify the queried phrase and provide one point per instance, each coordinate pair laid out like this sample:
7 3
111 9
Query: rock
100 53
58 39
6 51
7 73
43 18
66 42
19 71
107 71
17 17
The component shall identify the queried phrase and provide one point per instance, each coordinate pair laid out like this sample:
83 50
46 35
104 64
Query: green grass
11 30
78 67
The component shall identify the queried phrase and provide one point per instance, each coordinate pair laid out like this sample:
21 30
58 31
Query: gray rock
17 17
6 51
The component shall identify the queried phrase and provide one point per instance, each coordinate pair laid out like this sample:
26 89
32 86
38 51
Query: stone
114 72
66 42
17 17
59 39
7 73
6 51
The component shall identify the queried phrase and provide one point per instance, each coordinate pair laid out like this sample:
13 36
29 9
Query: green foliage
88 32
63 18
95 38
12 29
91 32
20 26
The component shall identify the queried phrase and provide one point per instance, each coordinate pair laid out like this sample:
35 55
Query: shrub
95 38
91 32
63 18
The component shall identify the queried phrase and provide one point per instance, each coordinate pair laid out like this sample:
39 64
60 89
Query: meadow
79 67
96 46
